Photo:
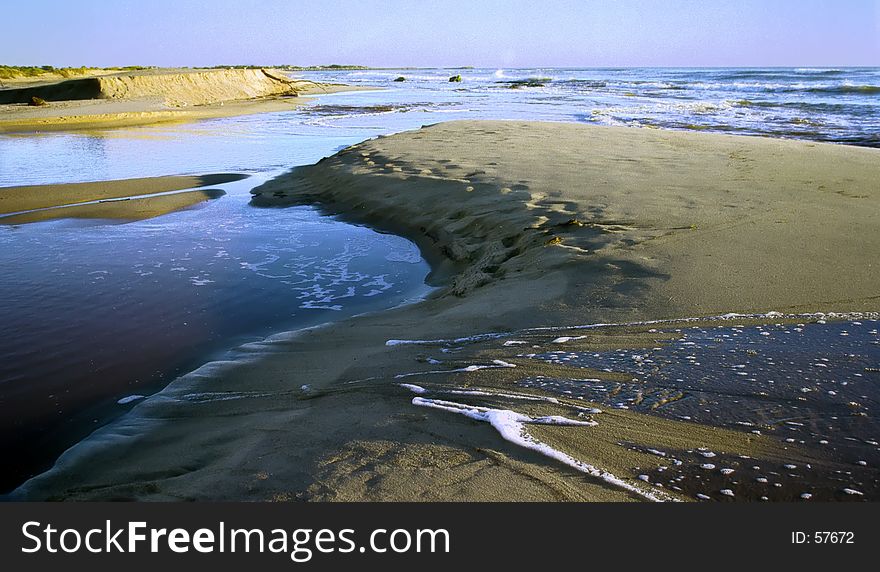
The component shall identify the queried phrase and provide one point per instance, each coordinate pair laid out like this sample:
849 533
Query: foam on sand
511 426
496 364
414 388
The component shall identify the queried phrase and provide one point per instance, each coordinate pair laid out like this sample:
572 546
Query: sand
27 198
124 99
128 209
525 225
692 225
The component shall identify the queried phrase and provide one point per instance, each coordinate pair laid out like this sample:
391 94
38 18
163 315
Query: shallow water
95 312
835 105
743 375
815 385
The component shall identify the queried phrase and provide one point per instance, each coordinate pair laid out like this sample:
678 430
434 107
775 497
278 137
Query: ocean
839 105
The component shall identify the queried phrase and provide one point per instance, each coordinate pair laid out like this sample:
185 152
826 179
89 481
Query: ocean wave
813 107
860 140
777 74
637 87
823 88
847 90
820 71
589 83
839 104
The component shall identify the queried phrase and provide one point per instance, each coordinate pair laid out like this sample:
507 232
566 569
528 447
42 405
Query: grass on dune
12 72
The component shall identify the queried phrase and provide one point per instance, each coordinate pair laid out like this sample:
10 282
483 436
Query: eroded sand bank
526 225
151 96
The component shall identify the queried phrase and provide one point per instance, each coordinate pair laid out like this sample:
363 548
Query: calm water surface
96 314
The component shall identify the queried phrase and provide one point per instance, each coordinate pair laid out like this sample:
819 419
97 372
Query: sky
481 33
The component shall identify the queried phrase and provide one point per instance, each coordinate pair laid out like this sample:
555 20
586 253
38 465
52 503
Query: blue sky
492 33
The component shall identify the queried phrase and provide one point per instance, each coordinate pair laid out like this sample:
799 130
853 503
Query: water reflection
95 312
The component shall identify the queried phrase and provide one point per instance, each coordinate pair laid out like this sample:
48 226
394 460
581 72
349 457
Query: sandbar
128 209
32 197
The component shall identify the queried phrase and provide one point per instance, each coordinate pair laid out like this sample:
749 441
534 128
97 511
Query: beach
531 229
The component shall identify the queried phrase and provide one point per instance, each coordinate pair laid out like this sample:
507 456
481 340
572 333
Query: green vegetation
7 72
10 72
240 67
455 78
330 67
291 67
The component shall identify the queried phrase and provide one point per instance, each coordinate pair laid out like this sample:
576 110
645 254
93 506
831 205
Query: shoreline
137 118
510 253
126 99
27 198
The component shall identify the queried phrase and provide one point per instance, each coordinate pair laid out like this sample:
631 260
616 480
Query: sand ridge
149 96
651 224
178 88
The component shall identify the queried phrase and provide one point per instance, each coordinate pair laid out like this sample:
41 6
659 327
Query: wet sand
127 209
90 115
526 225
28 198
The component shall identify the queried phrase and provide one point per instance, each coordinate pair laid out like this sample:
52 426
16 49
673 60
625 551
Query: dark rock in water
455 78
530 82
401 78
36 101
572 222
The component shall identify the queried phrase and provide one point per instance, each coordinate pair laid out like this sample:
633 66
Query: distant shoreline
98 100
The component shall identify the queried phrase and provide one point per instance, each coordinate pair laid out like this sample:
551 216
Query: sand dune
653 224
149 96
176 87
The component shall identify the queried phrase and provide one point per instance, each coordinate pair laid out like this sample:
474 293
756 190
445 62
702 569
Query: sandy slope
651 223
526 224
150 96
